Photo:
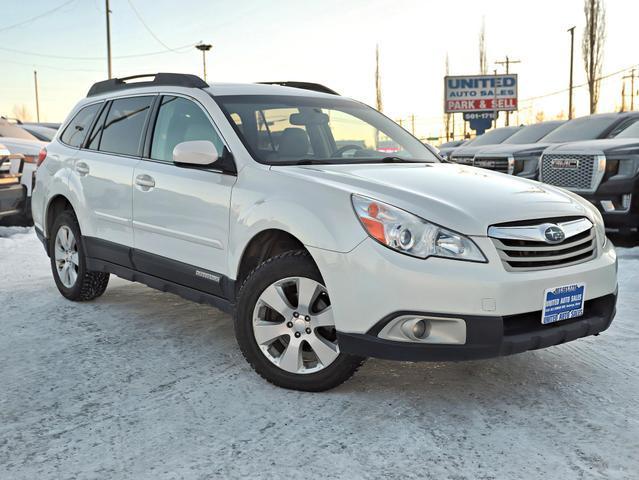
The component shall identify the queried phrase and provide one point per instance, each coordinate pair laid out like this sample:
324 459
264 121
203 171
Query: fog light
416 328
625 201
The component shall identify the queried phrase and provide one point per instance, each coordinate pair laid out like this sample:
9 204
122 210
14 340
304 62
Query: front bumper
12 200
488 336
372 283
613 190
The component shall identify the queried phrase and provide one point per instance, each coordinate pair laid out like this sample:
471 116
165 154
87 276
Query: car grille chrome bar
505 164
462 159
525 247
577 172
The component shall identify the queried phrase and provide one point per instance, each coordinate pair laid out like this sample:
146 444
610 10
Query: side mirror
196 152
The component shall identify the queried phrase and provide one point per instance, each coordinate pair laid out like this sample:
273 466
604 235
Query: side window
76 131
122 132
96 134
180 120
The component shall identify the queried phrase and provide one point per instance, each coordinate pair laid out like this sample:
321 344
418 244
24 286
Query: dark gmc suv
606 172
522 159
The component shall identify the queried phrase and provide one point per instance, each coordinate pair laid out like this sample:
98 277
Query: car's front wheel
285 327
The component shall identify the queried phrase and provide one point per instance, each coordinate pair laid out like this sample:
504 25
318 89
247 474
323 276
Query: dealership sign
480 93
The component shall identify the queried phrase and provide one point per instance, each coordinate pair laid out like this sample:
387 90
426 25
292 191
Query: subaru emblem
554 234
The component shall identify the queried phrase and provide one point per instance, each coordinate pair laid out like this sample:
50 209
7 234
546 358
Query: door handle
82 169
145 182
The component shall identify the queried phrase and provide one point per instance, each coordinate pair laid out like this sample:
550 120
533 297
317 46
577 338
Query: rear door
105 167
181 213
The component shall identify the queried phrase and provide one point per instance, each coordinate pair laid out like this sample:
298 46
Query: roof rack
316 87
163 79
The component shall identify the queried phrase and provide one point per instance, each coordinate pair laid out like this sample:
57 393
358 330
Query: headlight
409 234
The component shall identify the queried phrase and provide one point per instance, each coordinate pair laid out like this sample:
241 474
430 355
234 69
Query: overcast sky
326 41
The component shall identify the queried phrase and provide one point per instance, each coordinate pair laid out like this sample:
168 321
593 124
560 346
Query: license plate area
563 303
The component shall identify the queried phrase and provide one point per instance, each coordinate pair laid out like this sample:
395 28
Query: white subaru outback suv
328 231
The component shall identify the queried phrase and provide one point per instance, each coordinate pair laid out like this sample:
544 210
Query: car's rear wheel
68 262
285 327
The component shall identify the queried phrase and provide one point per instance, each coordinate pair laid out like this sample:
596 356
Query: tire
83 285
290 273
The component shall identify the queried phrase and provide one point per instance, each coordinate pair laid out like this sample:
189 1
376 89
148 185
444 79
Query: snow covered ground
144 385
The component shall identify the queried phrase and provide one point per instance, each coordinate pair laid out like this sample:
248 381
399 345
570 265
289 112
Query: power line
603 77
181 49
43 14
148 29
37 65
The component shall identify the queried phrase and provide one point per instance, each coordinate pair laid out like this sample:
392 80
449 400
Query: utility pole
203 47
35 80
495 99
507 63
108 32
632 77
572 54
412 124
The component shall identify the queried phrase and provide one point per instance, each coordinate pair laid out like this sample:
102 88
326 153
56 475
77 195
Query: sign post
485 94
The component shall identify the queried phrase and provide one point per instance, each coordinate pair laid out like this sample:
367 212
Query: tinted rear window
122 131
586 128
77 129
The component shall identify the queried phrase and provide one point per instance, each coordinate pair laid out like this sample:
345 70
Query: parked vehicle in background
512 156
18 140
446 148
12 193
523 159
42 133
466 153
239 196
605 172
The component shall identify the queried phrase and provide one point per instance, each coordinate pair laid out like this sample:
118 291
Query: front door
181 214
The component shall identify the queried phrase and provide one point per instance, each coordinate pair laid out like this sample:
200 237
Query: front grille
571 171
462 159
525 255
498 164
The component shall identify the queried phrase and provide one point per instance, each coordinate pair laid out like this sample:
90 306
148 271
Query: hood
608 146
522 150
20 145
469 151
465 199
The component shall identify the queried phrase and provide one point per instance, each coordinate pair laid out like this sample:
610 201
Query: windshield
532 133
13 131
585 128
630 132
286 130
493 137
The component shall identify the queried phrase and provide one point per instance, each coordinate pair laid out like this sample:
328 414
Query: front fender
319 217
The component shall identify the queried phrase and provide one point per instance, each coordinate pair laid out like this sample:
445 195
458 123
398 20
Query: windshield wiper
395 159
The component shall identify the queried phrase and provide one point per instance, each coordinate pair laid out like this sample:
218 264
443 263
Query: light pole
108 32
572 53
204 48
35 81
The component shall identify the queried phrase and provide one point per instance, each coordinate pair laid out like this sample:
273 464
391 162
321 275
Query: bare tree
378 82
592 47
483 64
21 112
